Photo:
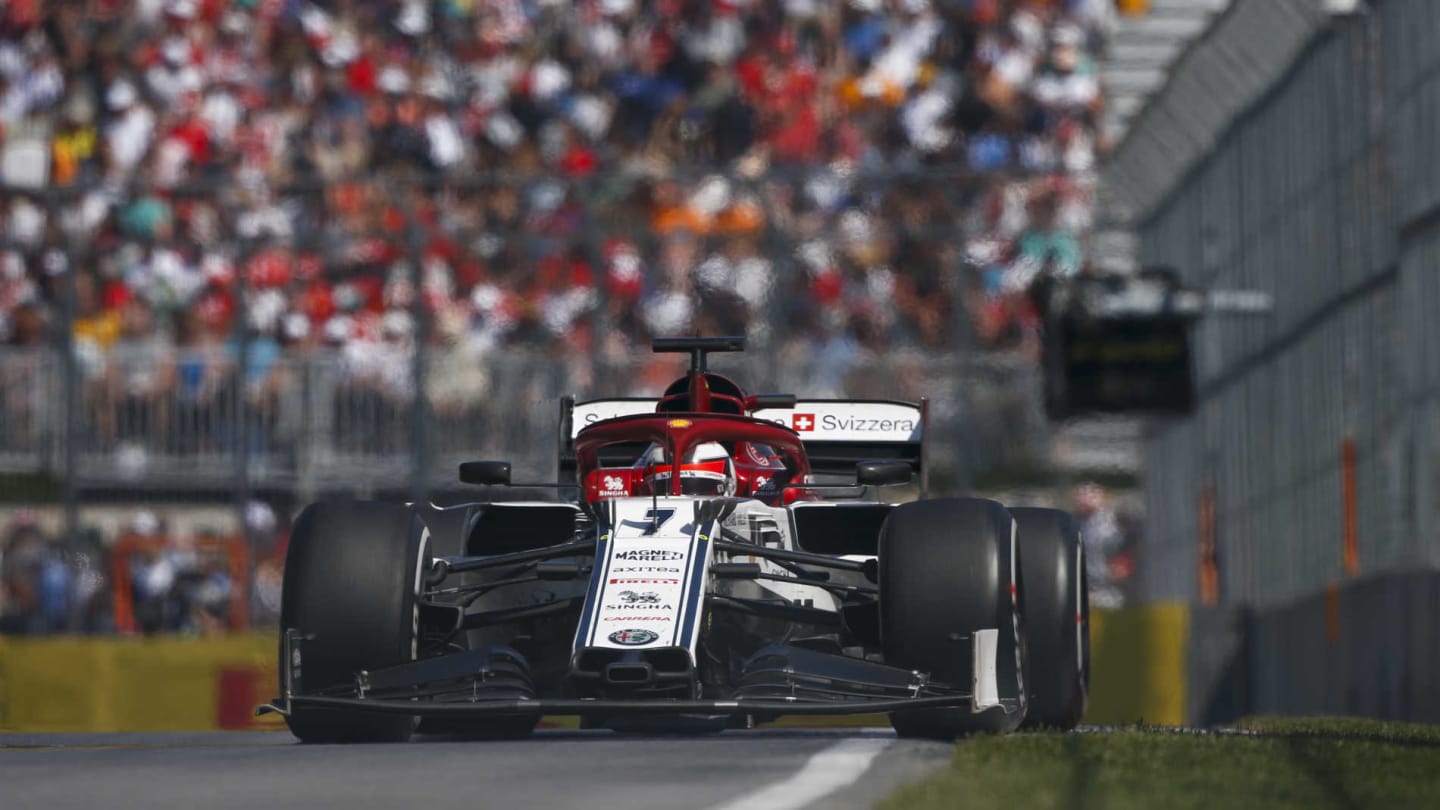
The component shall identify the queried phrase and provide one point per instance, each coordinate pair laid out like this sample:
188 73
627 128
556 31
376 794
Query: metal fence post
71 373
419 410
241 331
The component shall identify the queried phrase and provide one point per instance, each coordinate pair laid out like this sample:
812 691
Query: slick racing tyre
352 576
946 571
1057 617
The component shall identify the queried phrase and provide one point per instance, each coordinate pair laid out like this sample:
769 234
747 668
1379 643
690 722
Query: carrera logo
802 422
644 582
650 555
628 618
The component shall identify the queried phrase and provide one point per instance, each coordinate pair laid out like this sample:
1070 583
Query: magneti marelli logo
650 555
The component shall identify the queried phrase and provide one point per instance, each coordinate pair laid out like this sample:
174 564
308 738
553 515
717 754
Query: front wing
780 681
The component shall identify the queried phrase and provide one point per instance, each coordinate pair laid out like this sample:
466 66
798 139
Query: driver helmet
705 470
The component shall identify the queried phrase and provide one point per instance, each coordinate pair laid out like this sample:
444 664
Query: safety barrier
183 684
136 684
1138 661
1365 647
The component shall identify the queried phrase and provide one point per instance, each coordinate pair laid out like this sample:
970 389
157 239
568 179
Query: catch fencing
1313 454
327 429
1309 476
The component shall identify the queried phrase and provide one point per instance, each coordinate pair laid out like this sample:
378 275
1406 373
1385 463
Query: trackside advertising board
813 420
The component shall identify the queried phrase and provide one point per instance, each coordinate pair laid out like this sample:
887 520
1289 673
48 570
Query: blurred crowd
144 578
45 588
1111 536
148 577
219 188
857 176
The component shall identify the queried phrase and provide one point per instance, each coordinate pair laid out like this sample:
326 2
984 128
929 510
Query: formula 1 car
704 576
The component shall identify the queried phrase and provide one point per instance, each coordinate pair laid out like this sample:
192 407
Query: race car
711 559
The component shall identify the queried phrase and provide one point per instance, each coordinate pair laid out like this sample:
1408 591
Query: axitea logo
650 555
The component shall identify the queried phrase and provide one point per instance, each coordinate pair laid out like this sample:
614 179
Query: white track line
826 772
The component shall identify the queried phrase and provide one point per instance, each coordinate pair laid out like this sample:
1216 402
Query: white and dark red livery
711 571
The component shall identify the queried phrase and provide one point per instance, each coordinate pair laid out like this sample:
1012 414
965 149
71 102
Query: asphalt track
756 769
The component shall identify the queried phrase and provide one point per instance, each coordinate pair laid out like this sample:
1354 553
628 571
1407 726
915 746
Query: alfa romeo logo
633 637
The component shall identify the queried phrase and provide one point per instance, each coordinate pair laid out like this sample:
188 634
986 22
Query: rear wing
839 433
836 433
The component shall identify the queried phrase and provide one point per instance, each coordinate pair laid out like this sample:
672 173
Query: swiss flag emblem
802 422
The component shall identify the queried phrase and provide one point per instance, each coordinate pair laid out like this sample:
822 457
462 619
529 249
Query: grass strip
1285 763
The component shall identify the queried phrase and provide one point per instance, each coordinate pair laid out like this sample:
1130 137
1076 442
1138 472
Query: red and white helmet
705 470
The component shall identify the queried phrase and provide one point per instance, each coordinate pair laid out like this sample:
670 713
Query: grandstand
284 249
337 186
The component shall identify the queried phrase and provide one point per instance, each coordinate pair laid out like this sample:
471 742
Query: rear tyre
1057 614
948 568
352 578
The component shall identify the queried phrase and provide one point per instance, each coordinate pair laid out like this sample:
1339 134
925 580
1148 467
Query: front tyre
949 567
1057 614
352 579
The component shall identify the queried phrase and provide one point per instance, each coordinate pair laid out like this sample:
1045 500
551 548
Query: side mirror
881 472
485 472
756 402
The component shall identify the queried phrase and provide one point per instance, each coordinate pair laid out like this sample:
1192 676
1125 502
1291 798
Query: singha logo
633 598
613 483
